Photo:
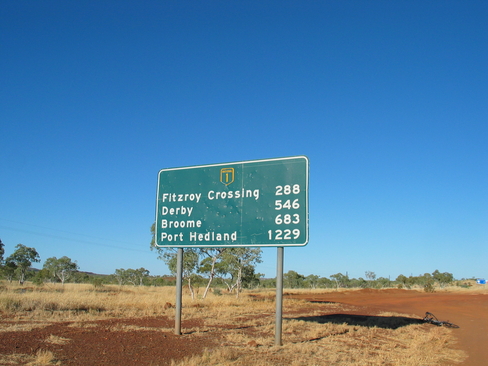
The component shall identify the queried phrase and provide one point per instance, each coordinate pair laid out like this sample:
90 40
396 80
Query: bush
97 282
429 287
9 304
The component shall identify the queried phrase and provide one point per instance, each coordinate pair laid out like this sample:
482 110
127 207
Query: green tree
340 279
268 282
251 279
2 252
442 279
292 279
41 276
169 256
312 281
211 264
136 276
402 280
325 282
190 265
131 276
359 282
23 258
120 276
9 270
383 282
239 263
61 269
371 277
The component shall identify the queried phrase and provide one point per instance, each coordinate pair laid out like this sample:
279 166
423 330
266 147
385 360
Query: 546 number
287 204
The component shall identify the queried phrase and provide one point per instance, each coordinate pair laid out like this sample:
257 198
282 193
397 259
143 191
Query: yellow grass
15 359
334 344
53 339
245 326
43 358
83 301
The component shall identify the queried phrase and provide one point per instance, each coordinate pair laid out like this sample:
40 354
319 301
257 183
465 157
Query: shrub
97 282
429 287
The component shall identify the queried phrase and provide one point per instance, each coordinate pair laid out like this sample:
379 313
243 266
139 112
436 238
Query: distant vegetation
231 269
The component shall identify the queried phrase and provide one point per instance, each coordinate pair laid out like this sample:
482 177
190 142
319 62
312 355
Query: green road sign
240 204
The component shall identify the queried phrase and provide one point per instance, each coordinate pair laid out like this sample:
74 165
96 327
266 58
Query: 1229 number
287 234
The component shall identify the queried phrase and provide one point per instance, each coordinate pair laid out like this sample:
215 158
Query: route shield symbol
227 176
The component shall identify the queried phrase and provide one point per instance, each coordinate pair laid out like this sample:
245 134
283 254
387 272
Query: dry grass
82 301
53 339
334 344
21 327
15 359
245 326
43 358
251 341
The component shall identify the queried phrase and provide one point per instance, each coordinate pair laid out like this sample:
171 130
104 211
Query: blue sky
388 100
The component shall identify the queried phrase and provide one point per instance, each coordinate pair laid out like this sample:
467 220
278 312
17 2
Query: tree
9 270
141 274
383 282
340 279
23 258
442 278
136 276
403 280
120 276
190 264
292 279
209 264
169 256
312 281
2 252
41 276
62 268
133 276
239 263
325 282
251 279
359 282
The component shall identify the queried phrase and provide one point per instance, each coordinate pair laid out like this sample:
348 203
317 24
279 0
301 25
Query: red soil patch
104 343
468 310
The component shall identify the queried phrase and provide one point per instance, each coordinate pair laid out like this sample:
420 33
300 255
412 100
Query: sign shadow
385 322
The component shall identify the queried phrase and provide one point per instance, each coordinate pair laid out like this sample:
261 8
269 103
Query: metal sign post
179 290
279 296
258 203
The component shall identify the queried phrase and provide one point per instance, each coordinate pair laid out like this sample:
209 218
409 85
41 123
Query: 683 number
287 219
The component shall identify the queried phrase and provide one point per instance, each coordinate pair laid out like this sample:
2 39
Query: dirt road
468 310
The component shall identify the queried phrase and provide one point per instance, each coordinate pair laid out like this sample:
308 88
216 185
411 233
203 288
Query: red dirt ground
469 311
99 344
105 343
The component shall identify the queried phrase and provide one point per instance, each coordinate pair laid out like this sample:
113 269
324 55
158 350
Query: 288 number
288 189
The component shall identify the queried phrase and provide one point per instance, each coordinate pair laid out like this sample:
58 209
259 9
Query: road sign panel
247 203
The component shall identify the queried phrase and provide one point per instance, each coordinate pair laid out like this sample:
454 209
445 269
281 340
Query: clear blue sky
388 99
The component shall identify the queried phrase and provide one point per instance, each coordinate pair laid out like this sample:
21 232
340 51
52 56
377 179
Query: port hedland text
187 211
